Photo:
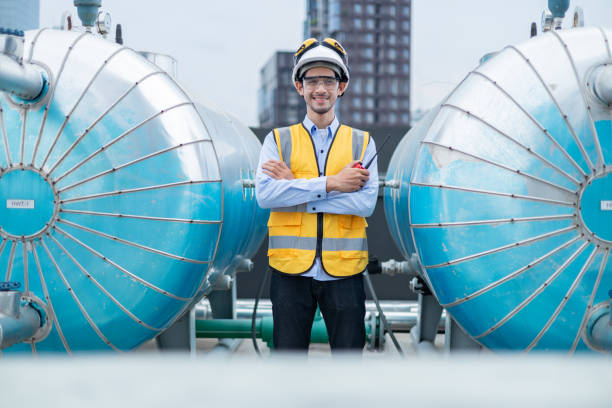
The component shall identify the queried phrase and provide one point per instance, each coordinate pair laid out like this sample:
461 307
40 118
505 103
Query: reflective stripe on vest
293 232
329 244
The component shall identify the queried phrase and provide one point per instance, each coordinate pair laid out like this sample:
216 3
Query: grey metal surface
601 83
22 80
18 322
599 327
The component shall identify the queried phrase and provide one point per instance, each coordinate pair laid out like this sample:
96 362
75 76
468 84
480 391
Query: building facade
278 102
376 35
20 14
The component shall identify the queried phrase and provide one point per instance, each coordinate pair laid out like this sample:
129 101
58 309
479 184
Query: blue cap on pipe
9 31
6 286
558 7
88 11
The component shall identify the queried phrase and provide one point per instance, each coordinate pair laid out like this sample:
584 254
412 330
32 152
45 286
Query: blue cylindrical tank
121 200
504 191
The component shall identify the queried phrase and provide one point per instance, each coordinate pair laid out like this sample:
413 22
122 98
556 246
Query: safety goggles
313 42
313 82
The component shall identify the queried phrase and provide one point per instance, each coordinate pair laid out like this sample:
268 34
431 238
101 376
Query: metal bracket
248 183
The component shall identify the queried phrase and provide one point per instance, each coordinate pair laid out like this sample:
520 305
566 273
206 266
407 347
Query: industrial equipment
122 200
504 192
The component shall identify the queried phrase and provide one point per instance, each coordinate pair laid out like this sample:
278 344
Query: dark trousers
294 304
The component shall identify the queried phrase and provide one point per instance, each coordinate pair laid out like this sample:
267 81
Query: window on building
406 11
370 24
406 25
406 53
394 87
392 103
392 118
370 9
368 52
368 38
405 119
369 85
369 103
356 85
406 69
357 23
368 67
356 102
358 9
391 69
392 39
405 39
333 18
369 117
357 117
405 103
392 54
391 25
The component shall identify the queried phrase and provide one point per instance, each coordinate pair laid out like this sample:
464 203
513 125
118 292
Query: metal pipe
26 81
17 322
599 326
393 267
601 83
241 329
401 315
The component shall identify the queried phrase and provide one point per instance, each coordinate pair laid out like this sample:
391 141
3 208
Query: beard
320 109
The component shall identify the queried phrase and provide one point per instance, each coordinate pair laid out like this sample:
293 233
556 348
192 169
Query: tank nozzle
600 83
88 11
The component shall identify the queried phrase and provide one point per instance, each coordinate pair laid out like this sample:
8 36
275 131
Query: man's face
319 97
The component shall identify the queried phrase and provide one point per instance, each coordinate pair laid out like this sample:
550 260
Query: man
318 200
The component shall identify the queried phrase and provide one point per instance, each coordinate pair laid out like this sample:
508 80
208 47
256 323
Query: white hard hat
327 53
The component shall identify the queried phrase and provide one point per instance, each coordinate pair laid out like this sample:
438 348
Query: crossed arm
351 191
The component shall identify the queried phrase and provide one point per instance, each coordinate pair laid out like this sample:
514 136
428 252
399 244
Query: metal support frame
424 333
181 336
455 338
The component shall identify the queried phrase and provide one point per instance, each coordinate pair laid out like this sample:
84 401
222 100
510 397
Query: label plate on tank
606 205
25 204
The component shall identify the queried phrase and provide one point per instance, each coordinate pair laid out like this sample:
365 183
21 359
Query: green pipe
227 328
241 329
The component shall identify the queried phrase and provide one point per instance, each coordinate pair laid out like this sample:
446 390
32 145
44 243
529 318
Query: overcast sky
221 45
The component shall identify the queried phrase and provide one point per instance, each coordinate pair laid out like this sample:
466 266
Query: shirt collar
312 128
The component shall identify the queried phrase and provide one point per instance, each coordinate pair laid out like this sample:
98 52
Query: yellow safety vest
296 236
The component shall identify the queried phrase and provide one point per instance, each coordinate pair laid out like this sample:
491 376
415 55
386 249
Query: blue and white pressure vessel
504 191
121 200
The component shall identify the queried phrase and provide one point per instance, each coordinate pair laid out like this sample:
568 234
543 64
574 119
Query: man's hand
277 170
348 179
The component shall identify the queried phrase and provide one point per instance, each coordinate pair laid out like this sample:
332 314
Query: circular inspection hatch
596 206
28 203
